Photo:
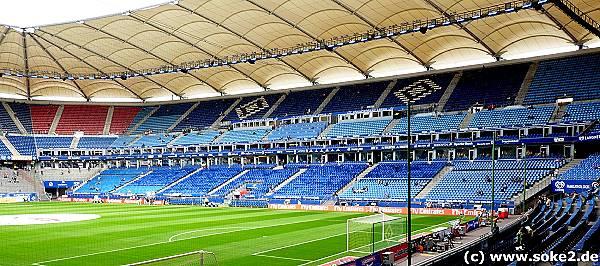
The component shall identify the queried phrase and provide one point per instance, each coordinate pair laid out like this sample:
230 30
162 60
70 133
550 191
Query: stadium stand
205 114
4 151
203 181
6 123
42 117
256 183
140 116
52 142
372 127
109 180
242 135
497 86
320 181
159 140
512 116
387 181
297 131
95 142
195 138
122 141
582 112
429 122
163 118
356 97
443 80
85 118
23 113
123 117
571 77
252 107
24 144
156 179
298 103
588 169
475 180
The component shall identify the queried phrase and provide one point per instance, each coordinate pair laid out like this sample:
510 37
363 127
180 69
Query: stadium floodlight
409 95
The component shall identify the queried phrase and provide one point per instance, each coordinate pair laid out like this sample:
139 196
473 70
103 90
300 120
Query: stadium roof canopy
35 62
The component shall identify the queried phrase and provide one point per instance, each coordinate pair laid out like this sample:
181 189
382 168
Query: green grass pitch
130 233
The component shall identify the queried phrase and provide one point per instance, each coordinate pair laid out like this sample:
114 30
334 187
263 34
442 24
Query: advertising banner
570 186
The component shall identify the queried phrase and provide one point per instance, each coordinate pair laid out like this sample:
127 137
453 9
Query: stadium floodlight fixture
410 95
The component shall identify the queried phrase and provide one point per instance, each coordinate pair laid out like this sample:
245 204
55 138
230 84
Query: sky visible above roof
31 13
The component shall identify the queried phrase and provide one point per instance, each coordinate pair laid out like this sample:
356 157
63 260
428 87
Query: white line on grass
337 254
42 263
283 258
206 229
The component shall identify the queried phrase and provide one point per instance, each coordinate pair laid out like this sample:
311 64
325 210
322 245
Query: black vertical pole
524 177
408 202
493 178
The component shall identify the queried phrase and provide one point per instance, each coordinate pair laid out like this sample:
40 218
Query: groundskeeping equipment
374 232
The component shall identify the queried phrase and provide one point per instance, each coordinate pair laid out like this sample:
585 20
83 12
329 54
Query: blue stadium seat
203 181
109 180
156 179
195 138
513 116
429 122
297 131
358 128
243 135
95 142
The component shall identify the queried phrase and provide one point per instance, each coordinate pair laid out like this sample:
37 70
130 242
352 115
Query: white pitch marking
206 229
284 258
42 263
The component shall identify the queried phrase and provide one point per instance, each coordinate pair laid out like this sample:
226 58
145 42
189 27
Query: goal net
375 232
195 258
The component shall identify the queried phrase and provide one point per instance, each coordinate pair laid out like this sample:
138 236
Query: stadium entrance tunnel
31 219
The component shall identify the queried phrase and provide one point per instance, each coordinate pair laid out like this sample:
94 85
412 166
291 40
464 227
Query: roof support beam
4 35
371 24
147 22
90 51
206 52
464 28
92 66
245 39
559 25
363 72
26 64
87 98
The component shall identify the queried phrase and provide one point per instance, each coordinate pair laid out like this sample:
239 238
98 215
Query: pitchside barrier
375 209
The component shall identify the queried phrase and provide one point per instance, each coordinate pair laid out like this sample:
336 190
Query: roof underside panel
192 31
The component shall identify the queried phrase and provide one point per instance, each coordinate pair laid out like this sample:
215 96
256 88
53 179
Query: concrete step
108 121
448 92
526 83
326 101
360 176
385 94
57 117
218 121
183 116
15 153
180 180
391 126
14 118
436 179
543 183
75 142
135 127
465 123
228 182
133 180
287 181
274 106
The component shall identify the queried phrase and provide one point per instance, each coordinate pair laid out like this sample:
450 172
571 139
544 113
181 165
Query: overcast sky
30 13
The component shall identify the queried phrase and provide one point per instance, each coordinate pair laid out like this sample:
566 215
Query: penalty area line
43 263
278 257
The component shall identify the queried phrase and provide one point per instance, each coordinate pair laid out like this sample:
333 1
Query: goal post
374 232
194 258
